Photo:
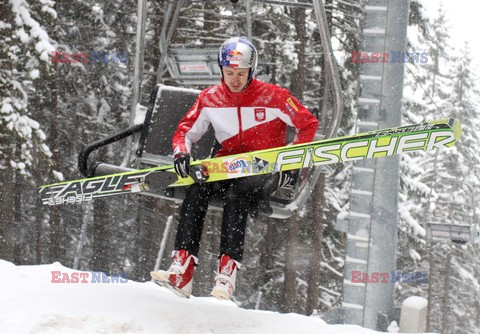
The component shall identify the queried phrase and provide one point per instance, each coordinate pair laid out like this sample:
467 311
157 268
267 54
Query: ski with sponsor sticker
373 144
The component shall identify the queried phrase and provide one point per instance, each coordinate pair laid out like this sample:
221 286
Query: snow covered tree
24 51
440 187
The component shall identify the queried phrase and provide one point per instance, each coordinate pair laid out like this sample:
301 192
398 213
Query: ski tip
457 128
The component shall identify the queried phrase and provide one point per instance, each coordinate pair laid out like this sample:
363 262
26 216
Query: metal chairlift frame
171 16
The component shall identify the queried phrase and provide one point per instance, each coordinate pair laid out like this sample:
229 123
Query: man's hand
182 164
288 179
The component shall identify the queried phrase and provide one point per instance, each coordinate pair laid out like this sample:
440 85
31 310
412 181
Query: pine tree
24 50
440 186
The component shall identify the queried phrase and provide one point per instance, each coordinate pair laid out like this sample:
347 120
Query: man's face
235 78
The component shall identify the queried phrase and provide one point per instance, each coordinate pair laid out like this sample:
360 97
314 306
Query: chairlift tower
371 224
452 234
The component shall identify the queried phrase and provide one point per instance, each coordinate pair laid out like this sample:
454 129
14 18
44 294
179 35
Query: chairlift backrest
166 108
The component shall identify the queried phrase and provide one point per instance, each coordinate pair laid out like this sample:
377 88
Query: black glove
182 164
288 179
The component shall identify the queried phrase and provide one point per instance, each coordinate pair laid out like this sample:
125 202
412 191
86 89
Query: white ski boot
224 283
179 277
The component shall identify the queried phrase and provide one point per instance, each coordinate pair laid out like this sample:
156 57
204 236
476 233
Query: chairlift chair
189 65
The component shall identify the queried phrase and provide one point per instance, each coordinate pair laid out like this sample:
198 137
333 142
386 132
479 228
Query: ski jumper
253 119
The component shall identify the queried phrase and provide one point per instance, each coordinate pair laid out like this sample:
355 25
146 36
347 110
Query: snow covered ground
31 303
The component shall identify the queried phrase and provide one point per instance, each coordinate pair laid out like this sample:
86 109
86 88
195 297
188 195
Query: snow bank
31 303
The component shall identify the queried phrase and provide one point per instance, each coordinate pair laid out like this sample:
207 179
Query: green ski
418 137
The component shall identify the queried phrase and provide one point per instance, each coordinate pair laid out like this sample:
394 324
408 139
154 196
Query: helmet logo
234 55
238 52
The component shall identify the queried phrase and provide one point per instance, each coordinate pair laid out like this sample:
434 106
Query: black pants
238 194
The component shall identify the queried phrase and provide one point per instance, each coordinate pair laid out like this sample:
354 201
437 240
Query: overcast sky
462 16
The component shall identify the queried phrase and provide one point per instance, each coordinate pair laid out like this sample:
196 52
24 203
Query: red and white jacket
253 119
